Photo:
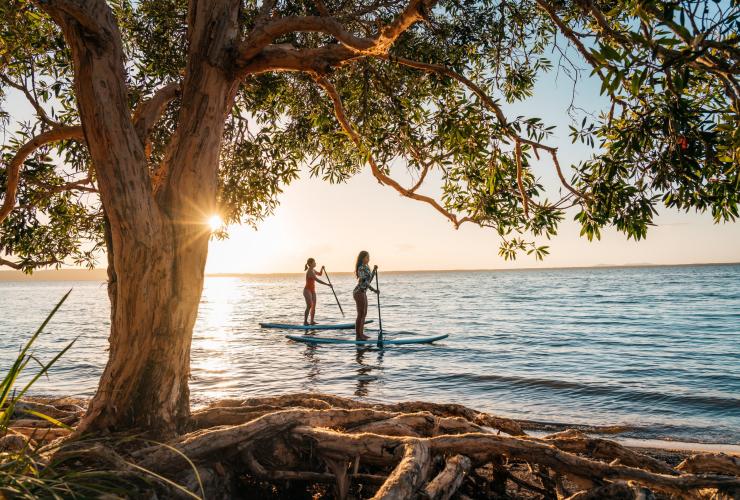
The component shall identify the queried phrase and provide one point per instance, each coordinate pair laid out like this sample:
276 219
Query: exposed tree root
577 442
409 475
712 463
322 401
319 445
446 483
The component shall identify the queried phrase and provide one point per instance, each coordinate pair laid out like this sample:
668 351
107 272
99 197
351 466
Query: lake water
655 349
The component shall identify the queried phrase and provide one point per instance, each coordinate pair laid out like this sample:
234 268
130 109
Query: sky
332 223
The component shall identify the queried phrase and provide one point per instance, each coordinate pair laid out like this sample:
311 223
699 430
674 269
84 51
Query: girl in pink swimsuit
309 291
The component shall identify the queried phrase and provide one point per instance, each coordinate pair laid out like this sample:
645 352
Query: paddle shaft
326 273
380 320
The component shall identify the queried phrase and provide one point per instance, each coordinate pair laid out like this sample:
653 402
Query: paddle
380 320
332 289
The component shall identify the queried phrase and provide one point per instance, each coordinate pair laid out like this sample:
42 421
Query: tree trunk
157 237
154 307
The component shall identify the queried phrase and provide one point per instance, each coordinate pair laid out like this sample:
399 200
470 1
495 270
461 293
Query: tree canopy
340 85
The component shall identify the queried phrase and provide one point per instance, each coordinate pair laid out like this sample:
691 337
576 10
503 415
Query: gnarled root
324 445
446 483
324 401
409 474
711 463
577 442
324 439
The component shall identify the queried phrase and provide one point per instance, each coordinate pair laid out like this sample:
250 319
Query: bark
446 483
577 442
483 448
157 244
713 463
409 475
319 401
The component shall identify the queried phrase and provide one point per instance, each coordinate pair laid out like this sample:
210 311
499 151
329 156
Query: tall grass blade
21 361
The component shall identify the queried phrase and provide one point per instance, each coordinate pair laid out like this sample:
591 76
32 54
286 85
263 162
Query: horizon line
481 270
20 276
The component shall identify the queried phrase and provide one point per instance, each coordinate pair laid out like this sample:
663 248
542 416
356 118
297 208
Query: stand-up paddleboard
286 326
386 341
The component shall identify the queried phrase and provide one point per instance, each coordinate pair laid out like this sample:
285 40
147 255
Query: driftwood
40 434
410 474
324 445
446 483
712 463
577 442
323 401
481 448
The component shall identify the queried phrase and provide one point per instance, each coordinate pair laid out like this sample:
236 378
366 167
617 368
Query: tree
149 117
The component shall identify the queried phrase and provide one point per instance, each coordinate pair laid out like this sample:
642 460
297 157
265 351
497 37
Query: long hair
308 262
360 257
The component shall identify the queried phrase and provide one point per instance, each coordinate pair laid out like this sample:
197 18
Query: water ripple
652 349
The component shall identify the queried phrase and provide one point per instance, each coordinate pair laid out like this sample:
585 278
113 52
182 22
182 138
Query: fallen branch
318 400
711 463
200 444
446 483
313 477
410 473
482 448
575 441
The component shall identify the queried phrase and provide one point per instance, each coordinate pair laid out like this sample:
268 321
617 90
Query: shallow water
654 349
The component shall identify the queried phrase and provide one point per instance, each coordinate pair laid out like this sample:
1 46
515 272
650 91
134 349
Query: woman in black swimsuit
364 280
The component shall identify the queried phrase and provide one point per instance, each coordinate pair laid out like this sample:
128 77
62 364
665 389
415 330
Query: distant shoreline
101 274
534 269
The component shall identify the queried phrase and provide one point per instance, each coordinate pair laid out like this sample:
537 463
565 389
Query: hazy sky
333 222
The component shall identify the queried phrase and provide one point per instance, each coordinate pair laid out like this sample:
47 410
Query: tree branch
148 111
285 57
573 37
261 36
20 266
377 172
519 181
81 185
40 111
13 169
145 116
9 263
444 70
84 13
491 104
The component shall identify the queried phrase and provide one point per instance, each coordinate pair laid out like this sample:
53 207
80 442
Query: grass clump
30 465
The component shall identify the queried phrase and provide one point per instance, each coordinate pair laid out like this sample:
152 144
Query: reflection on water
366 372
653 348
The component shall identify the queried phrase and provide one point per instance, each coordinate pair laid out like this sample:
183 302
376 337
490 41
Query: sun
216 222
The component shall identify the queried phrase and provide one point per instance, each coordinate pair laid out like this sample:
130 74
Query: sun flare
216 222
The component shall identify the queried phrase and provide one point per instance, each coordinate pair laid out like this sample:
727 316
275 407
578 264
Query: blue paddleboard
391 341
286 326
